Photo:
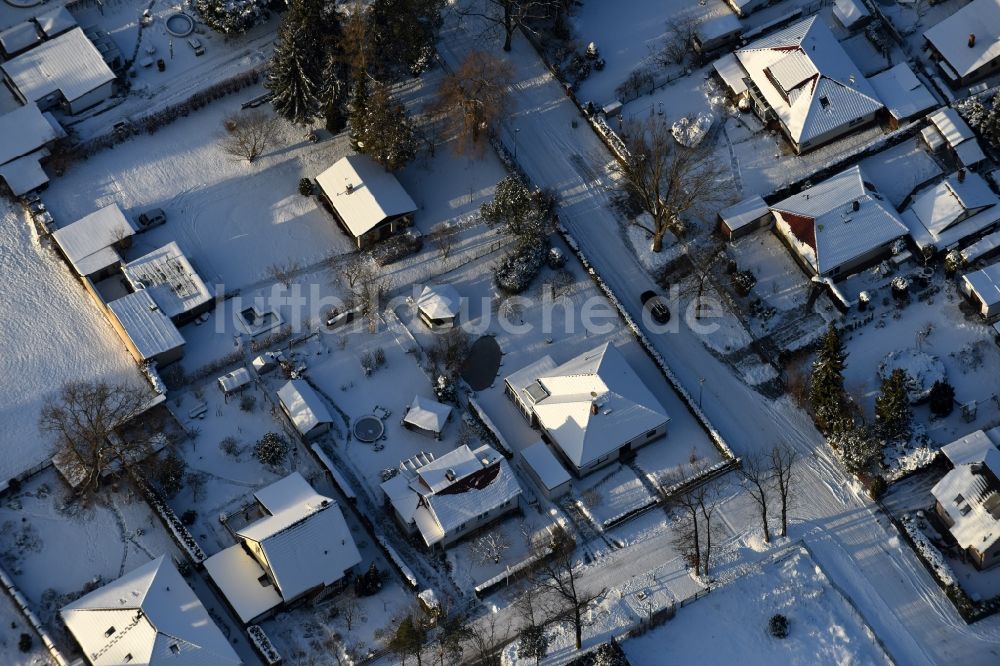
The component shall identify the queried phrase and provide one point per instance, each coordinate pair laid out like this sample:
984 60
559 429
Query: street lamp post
516 131
701 386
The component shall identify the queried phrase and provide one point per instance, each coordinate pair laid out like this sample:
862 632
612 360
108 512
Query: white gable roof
601 377
440 301
305 538
87 243
546 466
744 213
952 127
363 193
902 92
971 499
951 36
19 37
427 414
808 79
149 329
304 406
951 201
986 283
55 21
70 64
843 234
849 12
151 614
169 278
972 447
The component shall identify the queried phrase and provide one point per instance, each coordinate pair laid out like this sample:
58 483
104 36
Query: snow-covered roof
970 495
304 406
951 125
985 245
971 448
952 203
236 573
970 153
902 92
55 21
169 278
87 243
25 130
148 616
427 414
70 64
546 466
19 37
950 37
715 27
933 137
849 218
808 79
850 12
744 213
986 284
305 539
567 396
363 193
149 329
439 301
731 72
25 173
234 380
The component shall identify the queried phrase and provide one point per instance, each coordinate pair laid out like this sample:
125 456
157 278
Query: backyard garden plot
612 492
731 623
53 334
232 219
496 549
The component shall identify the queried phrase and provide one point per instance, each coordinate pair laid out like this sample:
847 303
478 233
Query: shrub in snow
231 16
744 282
952 262
189 517
778 626
231 447
248 402
515 271
900 287
398 247
368 583
942 398
271 449
444 390
691 130
24 643
922 371
168 474
913 525
877 486
305 187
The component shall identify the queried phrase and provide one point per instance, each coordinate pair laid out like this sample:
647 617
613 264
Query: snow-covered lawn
14 625
612 492
731 624
466 562
52 334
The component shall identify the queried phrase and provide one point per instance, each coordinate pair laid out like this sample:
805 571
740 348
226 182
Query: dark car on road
656 306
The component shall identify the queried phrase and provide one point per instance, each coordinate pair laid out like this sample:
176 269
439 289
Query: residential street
854 543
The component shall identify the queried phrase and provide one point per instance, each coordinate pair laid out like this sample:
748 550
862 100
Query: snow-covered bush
515 271
778 626
398 247
368 583
690 130
271 449
744 282
232 16
913 524
922 370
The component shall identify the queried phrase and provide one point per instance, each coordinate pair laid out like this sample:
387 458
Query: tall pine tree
892 407
385 134
826 388
359 111
292 80
402 34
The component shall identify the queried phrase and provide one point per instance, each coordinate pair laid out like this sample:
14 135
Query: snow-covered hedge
406 572
263 645
928 551
178 531
338 479
484 418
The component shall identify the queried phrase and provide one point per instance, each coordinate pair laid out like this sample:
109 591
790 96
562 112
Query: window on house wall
650 434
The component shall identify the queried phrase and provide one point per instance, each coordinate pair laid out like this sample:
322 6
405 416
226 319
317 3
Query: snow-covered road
858 548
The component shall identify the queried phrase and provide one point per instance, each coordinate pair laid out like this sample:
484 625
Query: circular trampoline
368 428
180 24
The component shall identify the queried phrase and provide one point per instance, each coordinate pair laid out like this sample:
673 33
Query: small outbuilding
305 408
983 289
235 381
740 219
902 93
438 306
18 39
426 415
92 243
545 471
851 14
148 334
172 281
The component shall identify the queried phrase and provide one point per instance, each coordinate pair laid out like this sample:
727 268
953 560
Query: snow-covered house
426 415
147 332
802 79
368 201
948 128
956 209
26 134
446 498
92 243
544 469
851 14
18 38
902 93
716 32
593 408
148 617
438 306
305 408
839 225
744 8
55 22
982 287
168 276
966 45
744 217
67 70
967 498
299 546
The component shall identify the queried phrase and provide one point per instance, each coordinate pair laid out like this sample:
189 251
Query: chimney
961 175
593 408
350 187
856 205
450 474
972 39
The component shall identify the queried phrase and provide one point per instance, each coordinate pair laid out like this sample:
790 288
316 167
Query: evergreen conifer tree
359 111
294 83
892 406
826 389
385 135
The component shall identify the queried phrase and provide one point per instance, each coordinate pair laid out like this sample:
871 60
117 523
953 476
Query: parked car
151 218
655 305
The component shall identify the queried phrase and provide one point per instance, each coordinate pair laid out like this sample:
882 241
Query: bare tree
490 547
757 480
509 15
444 237
248 134
474 96
369 291
449 352
557 573
688 537
707 504
697 503
676 48
350 611
283 273
86 421
350 268
486 638
453 631
666 179
783 459
532 643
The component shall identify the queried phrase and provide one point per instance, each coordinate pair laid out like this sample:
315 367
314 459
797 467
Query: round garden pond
481 367
368 428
